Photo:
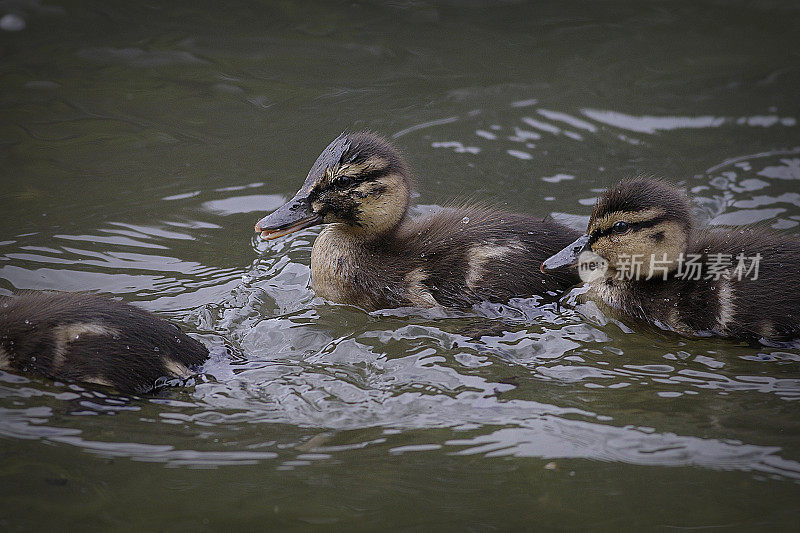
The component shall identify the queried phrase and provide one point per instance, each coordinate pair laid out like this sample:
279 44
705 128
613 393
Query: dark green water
139 143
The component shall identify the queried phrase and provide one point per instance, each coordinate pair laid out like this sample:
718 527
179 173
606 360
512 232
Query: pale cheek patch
363 190
641 245
64 335
379 213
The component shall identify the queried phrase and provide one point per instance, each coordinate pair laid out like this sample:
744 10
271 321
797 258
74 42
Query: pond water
141 142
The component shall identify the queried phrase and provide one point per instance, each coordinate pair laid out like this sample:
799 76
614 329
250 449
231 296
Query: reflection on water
651 125
537 133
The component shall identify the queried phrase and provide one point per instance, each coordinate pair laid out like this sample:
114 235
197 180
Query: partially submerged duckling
92 339
371 254
745 287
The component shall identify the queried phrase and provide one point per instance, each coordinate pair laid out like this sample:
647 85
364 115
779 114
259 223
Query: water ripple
559 439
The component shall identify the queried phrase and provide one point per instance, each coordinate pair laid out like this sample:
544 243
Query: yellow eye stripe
631 217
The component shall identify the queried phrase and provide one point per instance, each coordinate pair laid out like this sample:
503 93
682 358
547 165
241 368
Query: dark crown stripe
634 226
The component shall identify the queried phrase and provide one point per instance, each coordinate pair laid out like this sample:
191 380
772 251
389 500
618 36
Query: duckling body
751 294
92 339
730 307
455 258
371 254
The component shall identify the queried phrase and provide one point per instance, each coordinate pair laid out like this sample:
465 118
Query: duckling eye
620 227
343 181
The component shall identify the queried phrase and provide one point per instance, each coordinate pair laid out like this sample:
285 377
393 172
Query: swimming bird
643 256
373 255
93 339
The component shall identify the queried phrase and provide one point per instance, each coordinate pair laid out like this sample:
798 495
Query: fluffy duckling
738 283
371 254
92 339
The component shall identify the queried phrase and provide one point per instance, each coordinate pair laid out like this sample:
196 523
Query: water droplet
156 349
465 220
27 322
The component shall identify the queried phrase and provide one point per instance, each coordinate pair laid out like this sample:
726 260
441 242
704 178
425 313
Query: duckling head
360 182
642 221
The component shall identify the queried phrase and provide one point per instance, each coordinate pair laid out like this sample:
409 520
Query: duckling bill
649 261
92 339
370 253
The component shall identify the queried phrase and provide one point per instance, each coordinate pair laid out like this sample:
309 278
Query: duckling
738 283
373 255
92 339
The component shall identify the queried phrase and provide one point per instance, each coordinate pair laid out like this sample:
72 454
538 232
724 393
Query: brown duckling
642 256
93 339
372 254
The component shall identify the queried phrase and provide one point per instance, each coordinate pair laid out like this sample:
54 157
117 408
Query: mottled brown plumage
92 339
652 219
371 254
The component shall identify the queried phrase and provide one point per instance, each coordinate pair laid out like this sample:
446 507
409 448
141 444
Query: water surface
140 143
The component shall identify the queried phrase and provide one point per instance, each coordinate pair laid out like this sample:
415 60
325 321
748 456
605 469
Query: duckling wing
760 300
473 254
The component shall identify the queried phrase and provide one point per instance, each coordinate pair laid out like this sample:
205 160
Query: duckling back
478 253
92 339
